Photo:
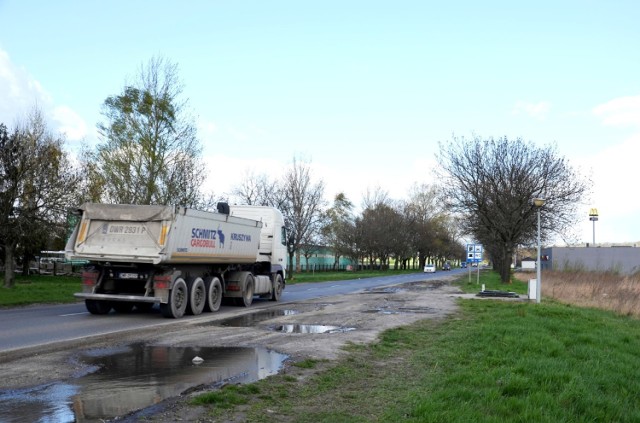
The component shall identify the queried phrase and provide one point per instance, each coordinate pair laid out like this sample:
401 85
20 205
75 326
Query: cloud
227 173
622 111
207 129
612 167
537 110
69 122
20 92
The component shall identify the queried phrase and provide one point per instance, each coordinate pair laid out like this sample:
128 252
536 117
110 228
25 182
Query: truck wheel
197 296
214 293
247 294
178 299
278 286
98 306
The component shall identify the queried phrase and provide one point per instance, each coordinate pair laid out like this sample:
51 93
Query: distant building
528 263
623 260
322 258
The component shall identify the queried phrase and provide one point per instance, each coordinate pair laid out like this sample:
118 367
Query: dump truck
183 259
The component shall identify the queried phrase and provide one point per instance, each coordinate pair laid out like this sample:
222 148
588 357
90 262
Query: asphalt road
34 326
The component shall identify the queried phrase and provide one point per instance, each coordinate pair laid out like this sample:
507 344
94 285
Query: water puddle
133 378
298 328
253 319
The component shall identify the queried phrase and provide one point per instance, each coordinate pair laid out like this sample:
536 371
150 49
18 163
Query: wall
624 260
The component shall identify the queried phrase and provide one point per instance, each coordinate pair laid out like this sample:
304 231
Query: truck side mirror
223 208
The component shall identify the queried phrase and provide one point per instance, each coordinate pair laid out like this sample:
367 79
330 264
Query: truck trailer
183 259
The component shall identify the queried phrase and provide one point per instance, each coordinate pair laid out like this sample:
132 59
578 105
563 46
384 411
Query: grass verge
36 289
494 361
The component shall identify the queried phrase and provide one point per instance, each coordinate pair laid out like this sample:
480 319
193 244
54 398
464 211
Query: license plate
128 276
128 229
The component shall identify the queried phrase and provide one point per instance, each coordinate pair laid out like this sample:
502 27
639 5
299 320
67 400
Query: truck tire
214 293
98 306
247 293
278 286
178 299
197 296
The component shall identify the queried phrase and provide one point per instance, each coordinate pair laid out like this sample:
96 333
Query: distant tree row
411 231
149 153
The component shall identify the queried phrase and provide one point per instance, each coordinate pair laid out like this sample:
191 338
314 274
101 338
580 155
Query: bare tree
374 197
303 205
37 185
491 182
150 153
258 190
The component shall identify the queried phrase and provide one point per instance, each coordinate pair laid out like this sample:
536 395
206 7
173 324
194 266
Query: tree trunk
9 275
291 264
504 264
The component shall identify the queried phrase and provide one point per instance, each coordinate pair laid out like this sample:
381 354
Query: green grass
40 289
491 281
494 361
228 396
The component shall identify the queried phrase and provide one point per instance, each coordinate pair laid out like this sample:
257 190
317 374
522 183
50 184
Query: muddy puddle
253 319
121 381
301 328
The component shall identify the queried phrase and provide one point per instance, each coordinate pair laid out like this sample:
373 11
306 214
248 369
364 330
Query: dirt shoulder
362 315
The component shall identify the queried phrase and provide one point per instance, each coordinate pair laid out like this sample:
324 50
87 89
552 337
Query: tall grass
606 291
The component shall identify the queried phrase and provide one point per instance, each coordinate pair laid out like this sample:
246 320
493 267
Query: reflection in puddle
252 319
135 378
44 403
297 328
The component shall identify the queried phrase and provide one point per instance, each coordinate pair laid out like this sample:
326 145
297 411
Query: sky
366 92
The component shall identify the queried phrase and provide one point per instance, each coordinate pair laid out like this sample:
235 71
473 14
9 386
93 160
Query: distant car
446 266
463 265
430 268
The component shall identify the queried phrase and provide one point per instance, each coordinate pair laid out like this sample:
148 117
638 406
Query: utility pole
593 216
